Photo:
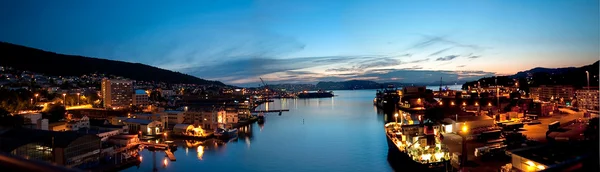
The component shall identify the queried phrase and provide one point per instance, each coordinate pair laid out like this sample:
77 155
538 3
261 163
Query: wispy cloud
473 57
413 67
446 58
440 51
460 66
417 61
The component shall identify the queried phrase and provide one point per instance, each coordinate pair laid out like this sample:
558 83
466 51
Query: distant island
49 63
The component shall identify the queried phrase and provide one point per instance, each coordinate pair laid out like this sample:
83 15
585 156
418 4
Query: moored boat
418 144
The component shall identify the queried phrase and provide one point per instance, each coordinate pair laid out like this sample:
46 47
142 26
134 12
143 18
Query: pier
170 155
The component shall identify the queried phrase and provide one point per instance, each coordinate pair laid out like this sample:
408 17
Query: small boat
226 133
261 118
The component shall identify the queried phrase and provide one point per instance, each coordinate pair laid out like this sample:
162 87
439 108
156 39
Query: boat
261 118
318 94
423 149
387 98
226 133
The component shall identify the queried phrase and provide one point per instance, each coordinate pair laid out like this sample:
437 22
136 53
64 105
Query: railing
14 163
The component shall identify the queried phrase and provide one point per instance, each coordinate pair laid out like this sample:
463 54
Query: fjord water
343 133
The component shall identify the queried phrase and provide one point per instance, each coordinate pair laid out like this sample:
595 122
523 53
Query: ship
318 94
387 98
417 145
261 118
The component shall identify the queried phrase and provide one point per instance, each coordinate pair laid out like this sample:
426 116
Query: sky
307 41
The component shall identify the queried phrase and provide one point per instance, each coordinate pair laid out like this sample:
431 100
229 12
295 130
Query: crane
265 85
263 82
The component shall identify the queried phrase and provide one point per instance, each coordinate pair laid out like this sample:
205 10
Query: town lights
464 104
464 128
396 117
451 103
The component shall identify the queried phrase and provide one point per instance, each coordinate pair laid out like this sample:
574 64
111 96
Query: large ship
387 98
317 94
417 143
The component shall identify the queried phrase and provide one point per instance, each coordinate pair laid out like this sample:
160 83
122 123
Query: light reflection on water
344 133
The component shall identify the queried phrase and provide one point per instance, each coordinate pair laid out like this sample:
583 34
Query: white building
173 117
76 124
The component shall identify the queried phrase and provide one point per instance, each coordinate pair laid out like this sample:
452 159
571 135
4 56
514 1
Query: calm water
344 133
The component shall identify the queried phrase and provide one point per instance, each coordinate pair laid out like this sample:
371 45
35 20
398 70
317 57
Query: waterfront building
588 99
188 130
117 93
67 148
552 92
140 98
173 117
102 133
206 118
143 126
124 140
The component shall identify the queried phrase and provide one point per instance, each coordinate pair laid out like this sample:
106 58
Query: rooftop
550 155
13 138
140 92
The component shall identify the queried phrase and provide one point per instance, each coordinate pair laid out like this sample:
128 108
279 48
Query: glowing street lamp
396 116
64 99
464 128
78 98
36 97
451 103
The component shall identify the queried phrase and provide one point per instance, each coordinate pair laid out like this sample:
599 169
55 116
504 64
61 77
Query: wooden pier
170 155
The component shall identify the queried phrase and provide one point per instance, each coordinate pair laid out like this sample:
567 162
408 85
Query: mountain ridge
51 63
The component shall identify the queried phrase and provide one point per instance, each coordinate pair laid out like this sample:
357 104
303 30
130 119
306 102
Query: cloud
413 67
473 57
446 58
440 51
382 62
417 61
460 66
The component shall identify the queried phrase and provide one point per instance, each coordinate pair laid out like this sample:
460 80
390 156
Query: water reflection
200 151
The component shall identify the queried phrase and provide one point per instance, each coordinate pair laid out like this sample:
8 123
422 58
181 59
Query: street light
77 98
396 116
64 99
464 154
588 79
36 97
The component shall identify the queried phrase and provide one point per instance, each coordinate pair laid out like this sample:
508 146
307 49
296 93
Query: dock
170 155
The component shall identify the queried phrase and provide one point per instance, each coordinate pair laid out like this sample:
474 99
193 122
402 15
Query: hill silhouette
49 63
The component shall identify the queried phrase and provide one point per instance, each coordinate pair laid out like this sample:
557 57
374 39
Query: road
537 132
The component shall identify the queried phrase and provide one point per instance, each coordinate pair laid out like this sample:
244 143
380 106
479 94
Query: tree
8 120
54 112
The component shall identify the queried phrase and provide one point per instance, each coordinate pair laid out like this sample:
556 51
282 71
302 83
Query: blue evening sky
307 41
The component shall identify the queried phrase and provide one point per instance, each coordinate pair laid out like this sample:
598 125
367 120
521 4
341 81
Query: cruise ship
418 143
